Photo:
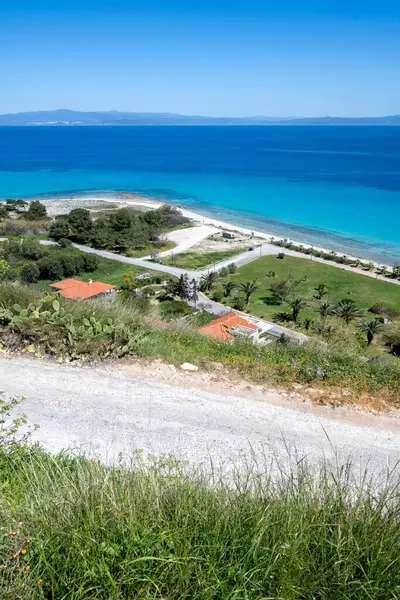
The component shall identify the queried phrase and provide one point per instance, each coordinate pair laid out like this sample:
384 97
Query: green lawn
364 290
194 260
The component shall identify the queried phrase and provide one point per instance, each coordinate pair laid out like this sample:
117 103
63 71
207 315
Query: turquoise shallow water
338 187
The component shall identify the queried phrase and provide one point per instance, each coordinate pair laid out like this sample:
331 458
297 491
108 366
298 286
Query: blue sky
279 58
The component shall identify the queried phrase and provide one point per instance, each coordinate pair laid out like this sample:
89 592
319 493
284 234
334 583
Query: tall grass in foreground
76 529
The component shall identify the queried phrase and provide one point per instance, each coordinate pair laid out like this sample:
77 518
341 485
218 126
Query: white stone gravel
106 412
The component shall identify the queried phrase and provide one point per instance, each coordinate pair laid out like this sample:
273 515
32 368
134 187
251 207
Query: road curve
105 411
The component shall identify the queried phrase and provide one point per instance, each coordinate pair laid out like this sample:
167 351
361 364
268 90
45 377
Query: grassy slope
158 532
364 290
196 260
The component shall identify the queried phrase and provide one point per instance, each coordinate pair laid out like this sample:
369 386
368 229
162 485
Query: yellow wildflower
39 581
24 551
27 569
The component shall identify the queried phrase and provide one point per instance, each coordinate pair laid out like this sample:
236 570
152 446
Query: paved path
187 238
108 412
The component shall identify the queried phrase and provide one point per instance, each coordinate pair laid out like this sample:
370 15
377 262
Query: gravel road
107 412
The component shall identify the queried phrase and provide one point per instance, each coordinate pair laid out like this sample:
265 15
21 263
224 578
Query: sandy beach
62 204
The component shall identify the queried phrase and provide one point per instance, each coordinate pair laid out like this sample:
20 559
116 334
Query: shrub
177 308
31 249
4 268
218 295
239 303
59 229
69 265
148 290
64 243
223 272
391 337
51 268
232 268
30 273
79 263
91 262
36 211
281 255
21 227
377 309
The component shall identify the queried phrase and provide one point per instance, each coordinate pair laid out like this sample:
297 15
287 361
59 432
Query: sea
336 187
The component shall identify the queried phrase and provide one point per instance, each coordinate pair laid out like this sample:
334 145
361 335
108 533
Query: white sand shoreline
131 199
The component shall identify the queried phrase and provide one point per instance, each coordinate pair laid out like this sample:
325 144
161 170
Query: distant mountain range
64 117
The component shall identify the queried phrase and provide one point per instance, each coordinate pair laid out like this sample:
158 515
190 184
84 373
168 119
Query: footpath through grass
75 529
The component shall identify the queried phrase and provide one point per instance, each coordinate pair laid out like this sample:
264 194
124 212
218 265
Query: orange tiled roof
219 328
73 288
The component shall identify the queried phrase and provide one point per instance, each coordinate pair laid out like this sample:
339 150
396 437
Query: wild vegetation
75 528
18 217
125 230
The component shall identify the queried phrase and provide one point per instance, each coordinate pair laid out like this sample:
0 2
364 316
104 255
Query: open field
340 284
196 260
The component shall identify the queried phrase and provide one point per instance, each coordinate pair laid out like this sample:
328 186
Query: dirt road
107 411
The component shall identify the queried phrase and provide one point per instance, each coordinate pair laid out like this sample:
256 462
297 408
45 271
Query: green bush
91 262
31 249
218 295
59 230
36 211
51 268
64 243
30 273
69 265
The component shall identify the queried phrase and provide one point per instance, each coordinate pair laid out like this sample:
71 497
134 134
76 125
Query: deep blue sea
333 186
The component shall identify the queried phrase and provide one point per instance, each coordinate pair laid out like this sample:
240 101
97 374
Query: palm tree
370 328
282 317
248 288
348 311
208 280
325 309
296 305
320 291
228 287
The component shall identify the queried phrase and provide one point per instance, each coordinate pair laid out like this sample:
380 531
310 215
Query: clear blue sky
210 57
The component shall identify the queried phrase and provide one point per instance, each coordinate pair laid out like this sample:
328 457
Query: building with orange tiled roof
229 326
74 288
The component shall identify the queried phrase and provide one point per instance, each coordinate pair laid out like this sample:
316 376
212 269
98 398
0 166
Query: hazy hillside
71 117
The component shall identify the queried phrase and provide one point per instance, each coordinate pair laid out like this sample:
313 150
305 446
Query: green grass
196 260
364 290
147 249
159 531
113 271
